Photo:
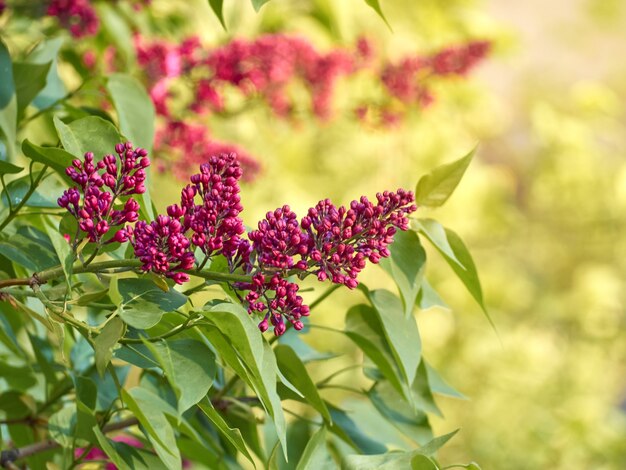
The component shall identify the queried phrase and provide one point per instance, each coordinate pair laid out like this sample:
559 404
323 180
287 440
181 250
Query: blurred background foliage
541 207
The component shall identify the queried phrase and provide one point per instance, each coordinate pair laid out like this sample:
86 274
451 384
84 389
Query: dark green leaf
422 396
30 79
232 435
9 168
435 188
406 266
402 334
134 109
189 366
108 447
105 341
142 303
56 158
8 101
217 7
89 134
295 371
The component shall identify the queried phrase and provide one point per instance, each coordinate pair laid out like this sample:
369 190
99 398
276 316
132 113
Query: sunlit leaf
435 188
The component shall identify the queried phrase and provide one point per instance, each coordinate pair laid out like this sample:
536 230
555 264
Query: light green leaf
30 248
108 447
105 341
422 396
257 4
217 7
61 246
148 409
406 266
421 462
401 414
316 454
134 109
375 5
434 189
142 303
437 443
363 326
236 326
428 297
439 386
89 134
56 158
401 332
117 28
436 234
232 435
46 52
295 371
62 425
8 101
30 79
458 257
189 366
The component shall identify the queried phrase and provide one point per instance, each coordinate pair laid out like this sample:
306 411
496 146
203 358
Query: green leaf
428 297
406 266
306 353
434 189
30 248
458 257
422 396
142 303
108 447
295 371
7 168
117 29
436 234
46 52
401 332
89 134
394 408
375 5
232 435
134 109
439 386
62 425
8 101
315 453
30 79
148 409
257 4
394 460
236 326
19 188
189 366
136 118
346 429
363 326
56 158
105 341
61 246
217 7
421 462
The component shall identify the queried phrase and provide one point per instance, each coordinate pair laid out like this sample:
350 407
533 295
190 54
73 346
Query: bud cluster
101 184
77 16
329 242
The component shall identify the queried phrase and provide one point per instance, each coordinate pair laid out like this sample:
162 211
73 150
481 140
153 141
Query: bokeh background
541 209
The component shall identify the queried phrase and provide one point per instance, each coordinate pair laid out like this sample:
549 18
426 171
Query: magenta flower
78 16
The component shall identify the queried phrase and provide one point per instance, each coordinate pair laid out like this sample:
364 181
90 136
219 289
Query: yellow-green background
542 209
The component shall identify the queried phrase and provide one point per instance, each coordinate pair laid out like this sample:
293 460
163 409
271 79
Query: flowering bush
115 318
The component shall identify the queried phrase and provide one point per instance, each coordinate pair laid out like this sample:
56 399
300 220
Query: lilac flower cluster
78 16
329 242
215 221
101 184
162 246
